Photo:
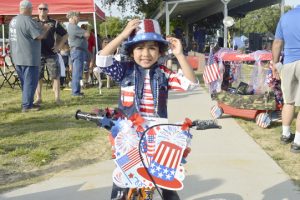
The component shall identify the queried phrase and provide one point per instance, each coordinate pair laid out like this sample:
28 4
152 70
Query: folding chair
5 73
11 67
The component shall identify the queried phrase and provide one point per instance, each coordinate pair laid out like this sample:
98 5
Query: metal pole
95 31
3 41
3 47
167 19
225 27
282 7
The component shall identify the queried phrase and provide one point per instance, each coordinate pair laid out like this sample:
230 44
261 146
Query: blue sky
292 2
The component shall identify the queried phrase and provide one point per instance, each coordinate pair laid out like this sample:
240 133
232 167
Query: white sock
297 138
286 131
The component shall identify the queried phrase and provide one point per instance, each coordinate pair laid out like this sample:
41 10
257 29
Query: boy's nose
145 52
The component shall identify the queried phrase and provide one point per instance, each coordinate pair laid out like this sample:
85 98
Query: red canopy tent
57 10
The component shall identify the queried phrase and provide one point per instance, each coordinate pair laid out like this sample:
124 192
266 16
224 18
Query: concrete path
224 164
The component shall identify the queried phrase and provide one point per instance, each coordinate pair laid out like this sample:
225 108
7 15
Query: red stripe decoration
145 110
149 26
211 73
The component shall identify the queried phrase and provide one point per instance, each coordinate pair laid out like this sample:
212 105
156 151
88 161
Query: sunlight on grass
37 140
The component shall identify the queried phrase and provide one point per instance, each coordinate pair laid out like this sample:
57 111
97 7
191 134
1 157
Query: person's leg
118 193
77 68
20 75
38 92
288 89
287 117
39 87
170 195
54 70
295 147
56 89
31 75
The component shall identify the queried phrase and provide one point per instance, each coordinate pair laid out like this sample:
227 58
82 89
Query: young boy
145 83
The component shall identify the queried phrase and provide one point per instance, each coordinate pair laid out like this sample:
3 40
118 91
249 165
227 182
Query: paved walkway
224 164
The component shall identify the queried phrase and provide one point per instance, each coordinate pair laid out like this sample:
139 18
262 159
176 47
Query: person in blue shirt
287 37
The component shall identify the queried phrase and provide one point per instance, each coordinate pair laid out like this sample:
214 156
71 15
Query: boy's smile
146 53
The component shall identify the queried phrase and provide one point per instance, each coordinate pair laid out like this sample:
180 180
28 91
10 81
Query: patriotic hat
163 166
148 30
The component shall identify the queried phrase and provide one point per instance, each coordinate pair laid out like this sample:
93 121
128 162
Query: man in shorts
49 50
288 37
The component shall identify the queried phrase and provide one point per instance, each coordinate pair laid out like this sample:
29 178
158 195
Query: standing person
79 47
145 83
91 54
49 57
25 36
287 37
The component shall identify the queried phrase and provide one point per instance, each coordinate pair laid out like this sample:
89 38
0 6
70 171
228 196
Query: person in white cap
25 36
144 82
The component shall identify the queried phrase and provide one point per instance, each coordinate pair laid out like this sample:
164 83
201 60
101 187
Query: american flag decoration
148 26
129 160
216 112
148 30
263 120
211 71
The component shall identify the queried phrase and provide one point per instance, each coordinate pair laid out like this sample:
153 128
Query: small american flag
129 160
211 72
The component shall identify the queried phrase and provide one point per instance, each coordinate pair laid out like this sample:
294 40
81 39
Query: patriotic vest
132 90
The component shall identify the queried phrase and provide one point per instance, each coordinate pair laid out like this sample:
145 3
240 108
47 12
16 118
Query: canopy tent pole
3 46
3 40
95 31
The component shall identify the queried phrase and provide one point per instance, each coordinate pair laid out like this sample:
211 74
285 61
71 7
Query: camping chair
6 73
11 67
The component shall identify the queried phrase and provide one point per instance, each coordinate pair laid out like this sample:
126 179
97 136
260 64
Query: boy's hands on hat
175 45
131 26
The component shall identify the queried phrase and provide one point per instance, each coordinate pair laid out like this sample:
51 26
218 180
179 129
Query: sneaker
287 140
37 102
295 148
81 94
33 108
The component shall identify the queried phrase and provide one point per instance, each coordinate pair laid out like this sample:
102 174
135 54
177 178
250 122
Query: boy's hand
175 45
131 26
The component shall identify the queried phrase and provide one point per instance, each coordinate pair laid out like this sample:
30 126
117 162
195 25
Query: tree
112 26
260 21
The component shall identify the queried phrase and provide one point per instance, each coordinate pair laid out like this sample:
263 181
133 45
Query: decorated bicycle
149 153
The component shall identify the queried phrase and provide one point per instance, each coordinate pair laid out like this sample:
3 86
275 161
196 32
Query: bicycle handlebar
198 124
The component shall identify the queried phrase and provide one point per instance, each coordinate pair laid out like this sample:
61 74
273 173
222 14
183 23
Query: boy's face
146 54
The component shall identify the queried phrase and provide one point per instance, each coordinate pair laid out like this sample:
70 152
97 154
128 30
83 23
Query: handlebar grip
206 124
87 116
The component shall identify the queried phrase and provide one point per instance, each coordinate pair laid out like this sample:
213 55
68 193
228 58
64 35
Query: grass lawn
36 144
